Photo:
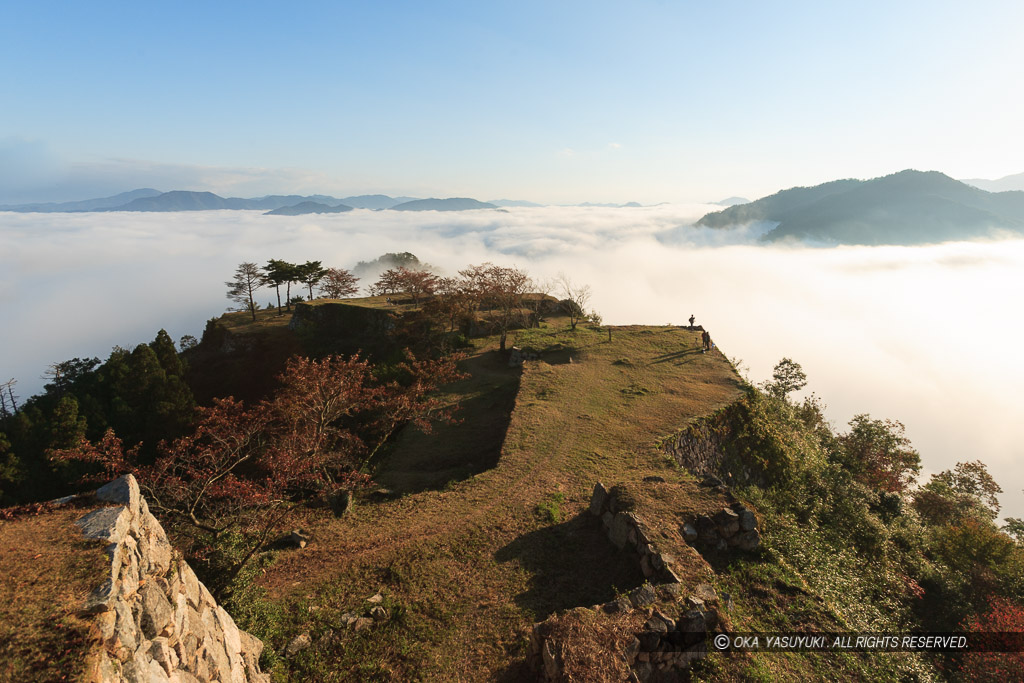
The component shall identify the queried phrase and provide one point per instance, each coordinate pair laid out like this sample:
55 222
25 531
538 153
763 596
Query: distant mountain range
84 205
307 207
285 205
909 207
148 199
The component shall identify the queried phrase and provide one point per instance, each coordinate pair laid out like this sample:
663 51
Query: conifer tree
247 280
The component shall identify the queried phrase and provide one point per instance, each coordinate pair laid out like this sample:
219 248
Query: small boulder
621 526
375 599
669 591
707 530
689 533
706 592
749 540
748 522
298 539
711 481
644 595
297 645
727 522
378 613
649 640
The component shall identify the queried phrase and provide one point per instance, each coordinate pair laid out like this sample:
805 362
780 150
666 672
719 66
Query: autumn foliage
1005 620
242 467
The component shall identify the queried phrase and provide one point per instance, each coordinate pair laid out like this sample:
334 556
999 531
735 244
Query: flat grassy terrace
497 536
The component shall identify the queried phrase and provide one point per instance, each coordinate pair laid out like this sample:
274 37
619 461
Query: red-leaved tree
243 469
1005 621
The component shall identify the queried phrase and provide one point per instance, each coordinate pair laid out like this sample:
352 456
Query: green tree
310 273
11 472
878 454
280 273
787 377
1014 528
968 490
248 279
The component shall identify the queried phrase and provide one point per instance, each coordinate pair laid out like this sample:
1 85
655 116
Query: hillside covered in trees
909 207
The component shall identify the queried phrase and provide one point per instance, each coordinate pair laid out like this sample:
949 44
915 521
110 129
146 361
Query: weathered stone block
707 530
598 499
102 598
106 524
155 610
644 595
692 622
749 540
748 522
689 533
649 640
124 491
620 528
727 521
706 592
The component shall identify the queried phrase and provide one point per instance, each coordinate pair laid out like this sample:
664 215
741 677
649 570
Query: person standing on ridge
691 320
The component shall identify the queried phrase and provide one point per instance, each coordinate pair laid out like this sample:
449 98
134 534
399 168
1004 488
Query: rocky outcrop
156 621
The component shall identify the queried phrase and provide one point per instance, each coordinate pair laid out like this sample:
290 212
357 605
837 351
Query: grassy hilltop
469 541
468 566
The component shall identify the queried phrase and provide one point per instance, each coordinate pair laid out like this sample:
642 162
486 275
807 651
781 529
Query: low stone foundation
626 530
731 527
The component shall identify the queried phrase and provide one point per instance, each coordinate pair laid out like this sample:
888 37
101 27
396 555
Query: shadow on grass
453 452
573 564
675 355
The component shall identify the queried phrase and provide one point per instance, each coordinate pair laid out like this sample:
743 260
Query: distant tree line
335 283
495 297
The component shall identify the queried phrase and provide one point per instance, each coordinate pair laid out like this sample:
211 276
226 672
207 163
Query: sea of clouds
925 335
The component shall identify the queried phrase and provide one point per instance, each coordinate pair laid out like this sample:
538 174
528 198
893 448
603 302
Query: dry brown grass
473 564
593 644
46 572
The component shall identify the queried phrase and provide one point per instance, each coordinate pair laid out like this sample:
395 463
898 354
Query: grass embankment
46 573
463 570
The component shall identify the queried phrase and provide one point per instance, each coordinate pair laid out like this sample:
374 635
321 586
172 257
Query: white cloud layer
925 335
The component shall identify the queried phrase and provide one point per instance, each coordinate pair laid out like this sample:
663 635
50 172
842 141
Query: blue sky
556 101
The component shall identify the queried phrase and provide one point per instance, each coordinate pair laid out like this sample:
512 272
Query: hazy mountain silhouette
1008 183
732 201
303 208
451 204
181 200
513 203
85 204
374 201
909 207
